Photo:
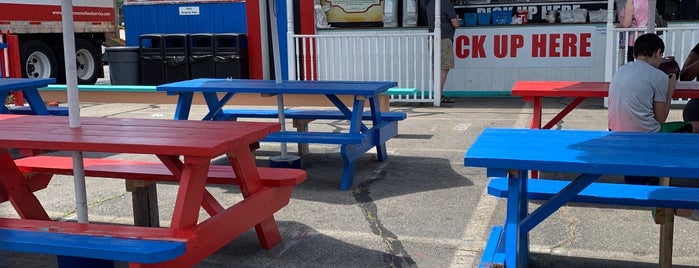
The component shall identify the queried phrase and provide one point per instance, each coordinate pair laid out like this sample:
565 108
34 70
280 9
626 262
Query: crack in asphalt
396 255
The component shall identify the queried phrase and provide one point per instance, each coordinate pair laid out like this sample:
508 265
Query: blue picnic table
354 143
508 155
29 87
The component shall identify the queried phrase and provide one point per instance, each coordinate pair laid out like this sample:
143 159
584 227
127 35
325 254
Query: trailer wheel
38 60
86 58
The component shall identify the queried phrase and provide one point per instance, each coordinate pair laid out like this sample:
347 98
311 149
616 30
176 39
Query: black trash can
201 55
124 65
231 51
176 54
151 49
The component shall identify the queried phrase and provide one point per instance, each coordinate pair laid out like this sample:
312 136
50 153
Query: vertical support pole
666 232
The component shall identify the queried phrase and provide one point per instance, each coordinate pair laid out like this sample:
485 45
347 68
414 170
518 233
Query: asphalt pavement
419 208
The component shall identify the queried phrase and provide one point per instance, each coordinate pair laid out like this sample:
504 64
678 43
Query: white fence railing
679 41
403 58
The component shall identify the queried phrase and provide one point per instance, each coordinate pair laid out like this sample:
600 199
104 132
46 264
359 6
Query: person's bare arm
662 109
455 23
628 14
690 68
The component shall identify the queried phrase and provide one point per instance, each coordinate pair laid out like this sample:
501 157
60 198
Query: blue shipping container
228 17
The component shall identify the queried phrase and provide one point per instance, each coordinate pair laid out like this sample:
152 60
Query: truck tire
38 60
86 58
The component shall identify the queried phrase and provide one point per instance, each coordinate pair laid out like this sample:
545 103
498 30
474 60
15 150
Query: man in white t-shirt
640 93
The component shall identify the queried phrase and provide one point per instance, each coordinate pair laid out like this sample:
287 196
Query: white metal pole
73 106
290 42
611 48
264 39
651 16
437 52
277 69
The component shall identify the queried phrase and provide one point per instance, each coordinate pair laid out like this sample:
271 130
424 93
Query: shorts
691 111
446 54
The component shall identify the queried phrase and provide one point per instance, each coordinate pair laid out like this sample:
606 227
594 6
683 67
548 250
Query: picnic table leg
184 105
144 197
192 181
666 232
23 200
376 112
35 102
516 240
246 170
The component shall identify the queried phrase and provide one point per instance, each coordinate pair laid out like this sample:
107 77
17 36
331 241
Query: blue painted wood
590 153
400 91
233 114
88 246
584 151
315 137
14 84
494 242
63 111
163 18
608 193
271 87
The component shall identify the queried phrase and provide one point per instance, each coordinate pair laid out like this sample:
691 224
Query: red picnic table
185 150
536 91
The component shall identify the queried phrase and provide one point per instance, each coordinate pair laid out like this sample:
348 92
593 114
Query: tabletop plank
684 89
121 135
583 151
19 83
271 87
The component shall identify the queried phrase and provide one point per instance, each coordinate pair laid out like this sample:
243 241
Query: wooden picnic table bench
29 89
508 155
302 117
355 142
185 150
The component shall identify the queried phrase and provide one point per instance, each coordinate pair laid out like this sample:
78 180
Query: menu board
353 12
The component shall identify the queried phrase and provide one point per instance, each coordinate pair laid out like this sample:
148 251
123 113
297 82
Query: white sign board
189 11
527 47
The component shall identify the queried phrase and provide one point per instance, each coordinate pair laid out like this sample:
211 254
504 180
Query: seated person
639 93
690 71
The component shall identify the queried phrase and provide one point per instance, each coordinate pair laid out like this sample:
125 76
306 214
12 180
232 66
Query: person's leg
690 67
629 55
447 62
690 113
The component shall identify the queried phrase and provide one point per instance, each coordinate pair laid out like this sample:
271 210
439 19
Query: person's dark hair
647 45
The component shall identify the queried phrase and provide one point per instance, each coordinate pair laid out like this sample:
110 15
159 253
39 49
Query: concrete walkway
420 208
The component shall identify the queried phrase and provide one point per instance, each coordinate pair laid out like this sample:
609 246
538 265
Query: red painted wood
528 89
38 166
15 64
252 11
22 198
196 142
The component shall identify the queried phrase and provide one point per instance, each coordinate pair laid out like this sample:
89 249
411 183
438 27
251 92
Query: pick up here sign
524 46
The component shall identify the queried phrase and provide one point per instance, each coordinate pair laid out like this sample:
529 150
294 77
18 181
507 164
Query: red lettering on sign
538 45
500 46
517 42
570 42
585 44
553 45
473 47
478 46
461 47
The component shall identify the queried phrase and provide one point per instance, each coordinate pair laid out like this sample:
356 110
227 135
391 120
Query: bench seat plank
233 114
28 110
151 171
91 246
608 193
315 137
